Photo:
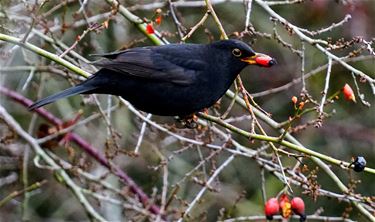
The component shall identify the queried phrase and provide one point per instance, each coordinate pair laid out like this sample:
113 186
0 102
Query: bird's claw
190 122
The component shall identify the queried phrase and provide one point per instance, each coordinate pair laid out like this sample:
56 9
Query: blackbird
168 80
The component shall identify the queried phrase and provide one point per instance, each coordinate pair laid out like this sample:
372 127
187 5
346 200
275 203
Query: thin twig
14 194
328 29
87 147
360 95
141 134
326 86
280 218
308 75
277 140
303 58
217 20
60 172
208 183
248 4
316 43
195 27
263 185
180 28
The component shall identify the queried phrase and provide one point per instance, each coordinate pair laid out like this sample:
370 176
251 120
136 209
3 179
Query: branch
310 74
290 145
14 194
207 184
45 54
316 43
156 38
87 147
280 218
65 178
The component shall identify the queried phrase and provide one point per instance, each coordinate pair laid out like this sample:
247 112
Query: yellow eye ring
236 52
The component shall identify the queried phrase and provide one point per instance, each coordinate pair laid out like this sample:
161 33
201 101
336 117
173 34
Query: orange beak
260 60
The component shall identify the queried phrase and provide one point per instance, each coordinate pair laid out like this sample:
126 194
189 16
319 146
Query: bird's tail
78 89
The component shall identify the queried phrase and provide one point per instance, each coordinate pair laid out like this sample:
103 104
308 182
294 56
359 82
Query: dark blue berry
359 164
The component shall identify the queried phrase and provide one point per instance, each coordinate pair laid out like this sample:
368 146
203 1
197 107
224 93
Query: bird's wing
150 63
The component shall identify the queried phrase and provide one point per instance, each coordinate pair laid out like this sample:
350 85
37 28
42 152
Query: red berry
294 99
271 208
301 105
265 61
158 19
150 29
298 207
348 93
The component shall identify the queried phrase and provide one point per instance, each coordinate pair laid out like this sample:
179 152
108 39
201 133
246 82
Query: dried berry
285 206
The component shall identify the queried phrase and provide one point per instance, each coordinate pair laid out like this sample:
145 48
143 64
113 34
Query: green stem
290 145
18 193
139 23
44 53
273 124
286 122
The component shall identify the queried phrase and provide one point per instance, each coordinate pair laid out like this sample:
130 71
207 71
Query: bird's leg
189 121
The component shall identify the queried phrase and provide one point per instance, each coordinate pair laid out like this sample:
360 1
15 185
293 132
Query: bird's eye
236 52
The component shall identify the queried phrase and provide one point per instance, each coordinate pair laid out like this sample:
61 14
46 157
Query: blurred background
349 131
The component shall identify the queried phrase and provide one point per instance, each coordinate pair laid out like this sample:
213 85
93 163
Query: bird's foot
190 122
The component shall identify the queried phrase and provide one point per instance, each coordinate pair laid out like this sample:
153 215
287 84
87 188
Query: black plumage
168 80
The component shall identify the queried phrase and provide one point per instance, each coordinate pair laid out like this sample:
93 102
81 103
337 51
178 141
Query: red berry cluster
157 18
285 207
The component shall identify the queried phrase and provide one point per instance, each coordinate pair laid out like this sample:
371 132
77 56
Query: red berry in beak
265 60
271 208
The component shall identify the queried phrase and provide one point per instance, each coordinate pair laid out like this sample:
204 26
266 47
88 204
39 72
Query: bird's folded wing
154 65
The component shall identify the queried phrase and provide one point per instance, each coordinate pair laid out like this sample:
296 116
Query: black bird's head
240 54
